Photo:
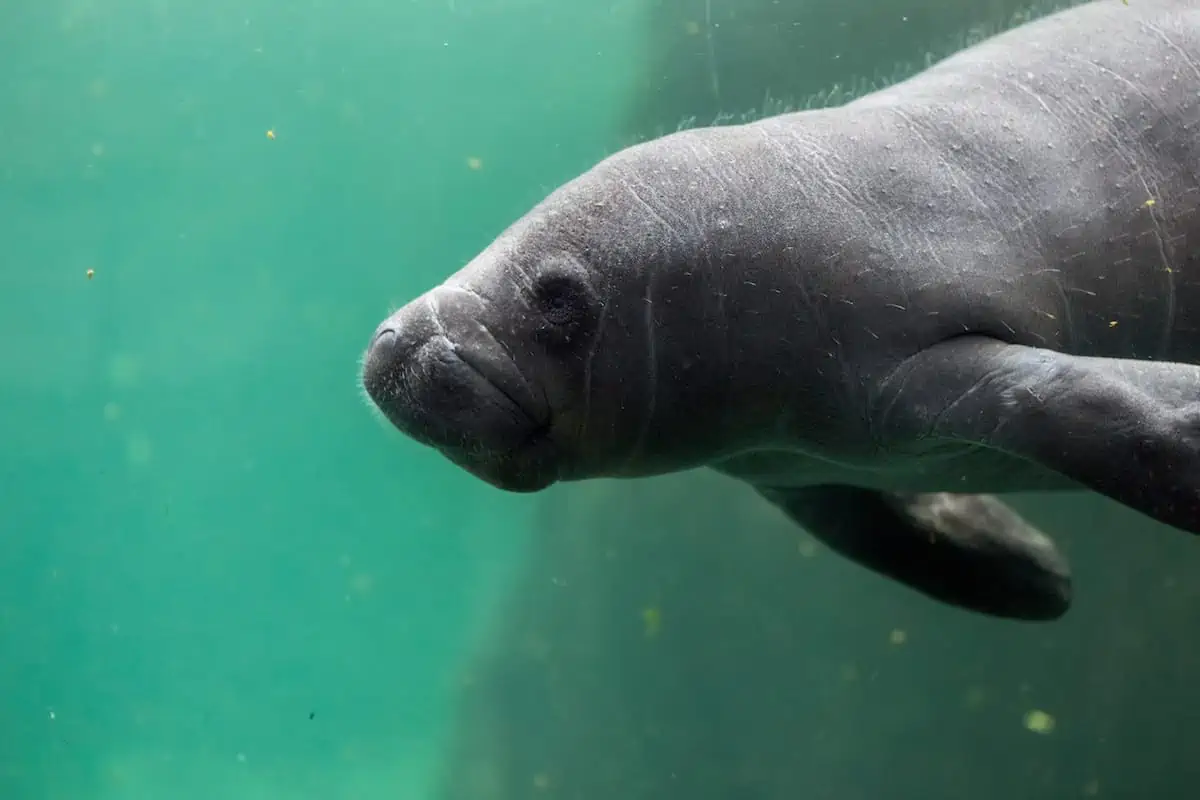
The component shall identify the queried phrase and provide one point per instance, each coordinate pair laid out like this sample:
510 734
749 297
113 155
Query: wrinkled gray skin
981 280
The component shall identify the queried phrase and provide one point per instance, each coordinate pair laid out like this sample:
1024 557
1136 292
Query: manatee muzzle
440 376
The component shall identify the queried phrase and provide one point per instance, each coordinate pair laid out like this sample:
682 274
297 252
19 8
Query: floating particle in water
474 163
898 636
362 584
271 134
91 273
124 369
138 450
807 548
975 698
1039 721
651 621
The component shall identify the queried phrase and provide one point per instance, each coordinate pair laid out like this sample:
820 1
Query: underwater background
222 576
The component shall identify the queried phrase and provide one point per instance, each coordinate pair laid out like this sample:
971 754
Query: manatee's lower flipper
1126 429
968 550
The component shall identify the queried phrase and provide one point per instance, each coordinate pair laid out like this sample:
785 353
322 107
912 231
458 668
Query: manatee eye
566 307
560 298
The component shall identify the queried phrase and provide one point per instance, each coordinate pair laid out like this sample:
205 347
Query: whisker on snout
376 412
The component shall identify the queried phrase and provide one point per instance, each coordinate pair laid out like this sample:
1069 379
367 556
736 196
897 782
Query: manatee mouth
460 392
505 379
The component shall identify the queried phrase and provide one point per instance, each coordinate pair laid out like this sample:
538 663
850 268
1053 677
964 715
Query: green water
207 537
221 576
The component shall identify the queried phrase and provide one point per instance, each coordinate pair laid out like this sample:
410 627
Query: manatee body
982 280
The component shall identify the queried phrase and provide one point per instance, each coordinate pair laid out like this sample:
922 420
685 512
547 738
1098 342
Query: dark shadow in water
676 638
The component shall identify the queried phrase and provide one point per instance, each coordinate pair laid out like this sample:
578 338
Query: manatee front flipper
1126 429
968 550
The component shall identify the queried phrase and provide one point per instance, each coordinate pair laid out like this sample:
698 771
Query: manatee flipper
1126 429
968 550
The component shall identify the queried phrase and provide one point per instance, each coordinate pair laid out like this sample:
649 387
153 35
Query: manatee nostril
385 348
381 361
384 338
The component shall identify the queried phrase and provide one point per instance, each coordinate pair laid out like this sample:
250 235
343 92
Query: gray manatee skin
980 280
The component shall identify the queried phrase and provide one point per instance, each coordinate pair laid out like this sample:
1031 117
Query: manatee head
588 340
491 367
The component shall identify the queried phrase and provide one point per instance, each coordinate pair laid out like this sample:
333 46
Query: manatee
880 316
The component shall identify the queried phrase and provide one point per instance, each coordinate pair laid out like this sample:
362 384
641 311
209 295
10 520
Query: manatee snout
440 377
